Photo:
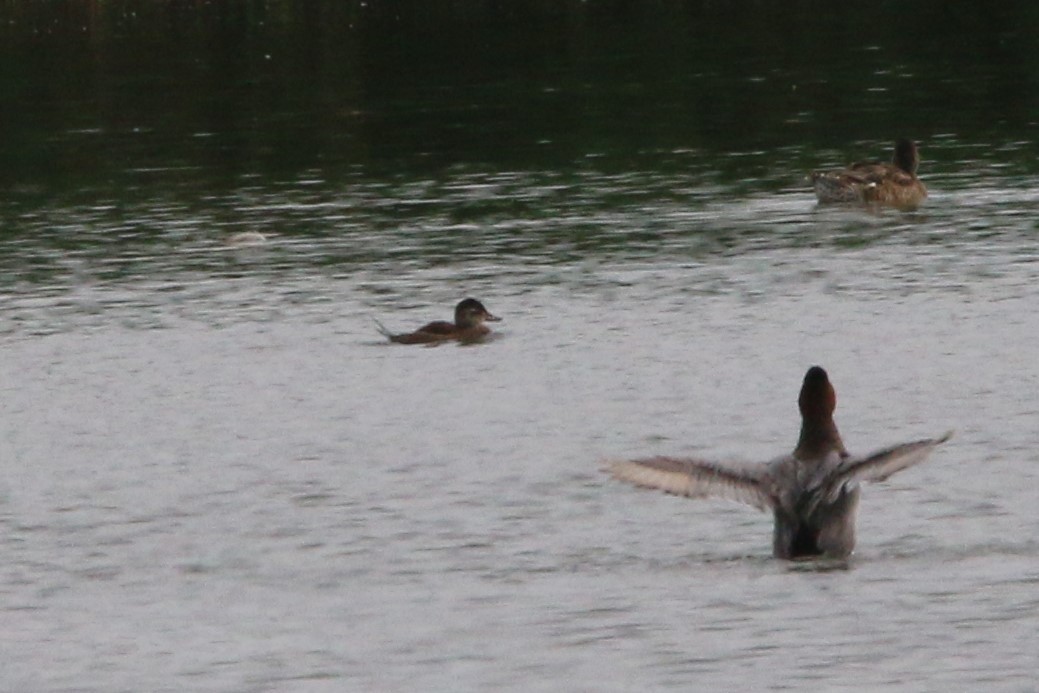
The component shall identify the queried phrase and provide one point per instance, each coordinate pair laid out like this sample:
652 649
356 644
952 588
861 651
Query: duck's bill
491 318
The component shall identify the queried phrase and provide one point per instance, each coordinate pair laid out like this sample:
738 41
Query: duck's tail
382 329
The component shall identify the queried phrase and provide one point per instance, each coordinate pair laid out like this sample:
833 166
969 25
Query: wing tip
629 471
670 475
612 466
642 474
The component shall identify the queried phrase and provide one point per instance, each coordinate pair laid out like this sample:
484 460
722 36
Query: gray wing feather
880 464
694 478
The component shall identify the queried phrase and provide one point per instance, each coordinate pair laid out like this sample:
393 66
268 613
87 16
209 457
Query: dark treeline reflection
99 88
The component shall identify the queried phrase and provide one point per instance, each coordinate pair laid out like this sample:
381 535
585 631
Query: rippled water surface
217 476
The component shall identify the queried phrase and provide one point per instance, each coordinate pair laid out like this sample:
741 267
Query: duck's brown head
817 403
817 398
470 313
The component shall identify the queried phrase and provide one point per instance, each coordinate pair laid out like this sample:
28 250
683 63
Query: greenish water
110 94
215 475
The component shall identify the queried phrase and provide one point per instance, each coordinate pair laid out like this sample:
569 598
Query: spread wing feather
697 479
880 464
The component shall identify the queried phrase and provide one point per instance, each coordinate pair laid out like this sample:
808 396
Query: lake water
217 476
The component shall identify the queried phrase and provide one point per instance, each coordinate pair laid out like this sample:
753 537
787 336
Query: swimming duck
893 184
467 327
813 493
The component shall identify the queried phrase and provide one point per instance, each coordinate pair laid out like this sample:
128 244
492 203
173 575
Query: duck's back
439 327
807 523
433 332
872 181
838 186
795 482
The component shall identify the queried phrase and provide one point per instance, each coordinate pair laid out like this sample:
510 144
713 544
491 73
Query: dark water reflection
114 91
217 476
509 222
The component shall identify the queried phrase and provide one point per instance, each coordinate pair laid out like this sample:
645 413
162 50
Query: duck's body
894 184
468 326
813 492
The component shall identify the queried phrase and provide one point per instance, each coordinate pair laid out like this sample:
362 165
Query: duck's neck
906 157
818 438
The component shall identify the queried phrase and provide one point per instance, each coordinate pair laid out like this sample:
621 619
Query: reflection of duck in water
468 326
892 184
813 493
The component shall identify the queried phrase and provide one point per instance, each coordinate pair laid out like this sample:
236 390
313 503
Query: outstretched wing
697 479
877 466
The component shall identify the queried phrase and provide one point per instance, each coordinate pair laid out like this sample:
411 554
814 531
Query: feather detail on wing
697 479
879 465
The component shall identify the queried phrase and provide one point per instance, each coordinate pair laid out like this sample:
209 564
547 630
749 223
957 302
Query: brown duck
813 493
468 326
894 184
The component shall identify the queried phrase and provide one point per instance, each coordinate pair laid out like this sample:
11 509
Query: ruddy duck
813 493
468 326
893 184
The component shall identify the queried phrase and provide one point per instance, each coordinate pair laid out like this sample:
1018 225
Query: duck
875 183
470 316
813 492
